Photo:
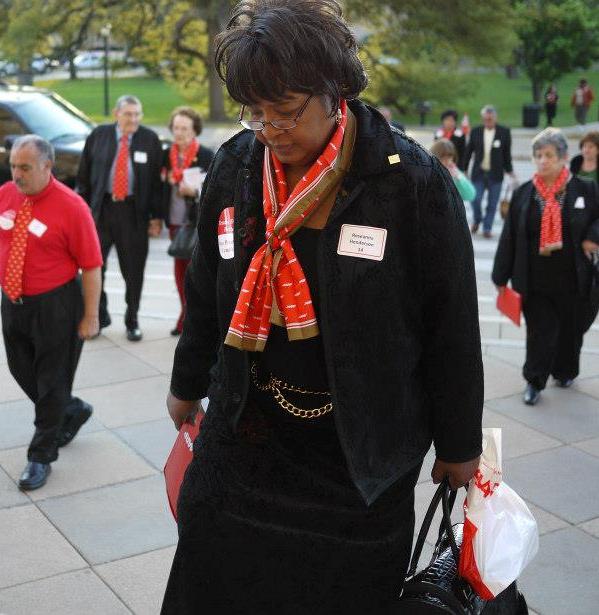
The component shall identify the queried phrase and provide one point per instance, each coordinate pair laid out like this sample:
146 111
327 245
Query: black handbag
438 589
184 242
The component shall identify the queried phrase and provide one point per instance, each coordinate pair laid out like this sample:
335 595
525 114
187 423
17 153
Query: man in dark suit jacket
492 148
125 203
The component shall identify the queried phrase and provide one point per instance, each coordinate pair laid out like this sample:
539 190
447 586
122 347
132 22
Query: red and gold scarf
551 221
187 158
275 290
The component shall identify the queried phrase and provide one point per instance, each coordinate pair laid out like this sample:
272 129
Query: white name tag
6 223
497 143
362 241
579 203
37 228
226 246
141 157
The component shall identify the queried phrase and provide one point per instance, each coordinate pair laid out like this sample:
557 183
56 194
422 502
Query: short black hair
273 46
449 113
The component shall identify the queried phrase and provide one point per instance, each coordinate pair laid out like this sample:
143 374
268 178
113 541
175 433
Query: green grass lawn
159 97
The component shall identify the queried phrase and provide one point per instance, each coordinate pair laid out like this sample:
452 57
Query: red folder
178 460
509 303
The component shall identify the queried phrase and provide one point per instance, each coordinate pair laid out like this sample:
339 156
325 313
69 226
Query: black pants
554 330
43 350
118 225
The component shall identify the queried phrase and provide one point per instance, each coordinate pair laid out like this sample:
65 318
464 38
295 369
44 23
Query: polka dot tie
13 281
120 181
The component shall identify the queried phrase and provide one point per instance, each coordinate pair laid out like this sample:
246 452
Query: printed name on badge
579 203
37 228
225 233
141 157
362 242
497 143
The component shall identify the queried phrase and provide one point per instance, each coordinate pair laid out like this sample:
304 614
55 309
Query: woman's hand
589 247
500 289
458 473
187 190
182 411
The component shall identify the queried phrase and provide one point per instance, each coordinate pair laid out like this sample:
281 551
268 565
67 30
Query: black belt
28 299
128 199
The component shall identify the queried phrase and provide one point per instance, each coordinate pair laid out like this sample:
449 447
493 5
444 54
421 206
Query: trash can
530 115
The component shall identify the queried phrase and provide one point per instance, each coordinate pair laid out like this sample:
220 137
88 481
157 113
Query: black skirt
270 522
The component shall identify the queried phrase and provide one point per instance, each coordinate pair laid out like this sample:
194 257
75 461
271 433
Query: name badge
37 228
225 233
579 203
497 143
141 157
362 242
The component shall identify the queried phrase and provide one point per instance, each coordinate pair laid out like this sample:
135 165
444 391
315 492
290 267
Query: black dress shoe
34 475
474 228
134 334
564 383
531 395
105 321
175 332
73 422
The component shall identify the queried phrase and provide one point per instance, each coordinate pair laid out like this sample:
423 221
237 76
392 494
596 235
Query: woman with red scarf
545 249
332 323
181 195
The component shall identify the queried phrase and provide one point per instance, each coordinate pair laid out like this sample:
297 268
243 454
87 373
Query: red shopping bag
178 460
509 303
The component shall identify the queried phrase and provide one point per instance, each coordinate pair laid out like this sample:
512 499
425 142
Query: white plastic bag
500 534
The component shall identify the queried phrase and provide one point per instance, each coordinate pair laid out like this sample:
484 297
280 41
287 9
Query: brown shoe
487 234
474 228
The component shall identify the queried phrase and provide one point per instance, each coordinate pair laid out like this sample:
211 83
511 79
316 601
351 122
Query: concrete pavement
99 538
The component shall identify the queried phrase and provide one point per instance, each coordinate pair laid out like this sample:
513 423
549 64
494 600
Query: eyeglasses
282 124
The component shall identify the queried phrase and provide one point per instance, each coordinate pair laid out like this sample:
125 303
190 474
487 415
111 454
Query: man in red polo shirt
47 235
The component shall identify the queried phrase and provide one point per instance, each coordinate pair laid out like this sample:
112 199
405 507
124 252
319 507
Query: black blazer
96 161
501 152
202 160
458 138
400 335
576 164
511 258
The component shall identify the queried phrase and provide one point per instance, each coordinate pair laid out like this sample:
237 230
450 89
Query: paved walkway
99 539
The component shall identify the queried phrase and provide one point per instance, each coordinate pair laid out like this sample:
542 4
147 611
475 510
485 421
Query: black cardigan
400 335
576 164
202 160
511 258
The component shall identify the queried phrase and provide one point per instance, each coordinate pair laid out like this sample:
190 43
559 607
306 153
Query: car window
50 120
9 125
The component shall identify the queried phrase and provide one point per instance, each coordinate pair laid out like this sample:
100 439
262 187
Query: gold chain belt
275 385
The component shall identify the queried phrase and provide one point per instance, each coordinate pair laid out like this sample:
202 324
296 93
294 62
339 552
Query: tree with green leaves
556 38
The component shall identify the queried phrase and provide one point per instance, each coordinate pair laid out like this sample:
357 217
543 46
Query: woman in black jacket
586 164
545 248
332 322
180 196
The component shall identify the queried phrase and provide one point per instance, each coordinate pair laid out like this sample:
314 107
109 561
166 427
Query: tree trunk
536 91
215 86
72 67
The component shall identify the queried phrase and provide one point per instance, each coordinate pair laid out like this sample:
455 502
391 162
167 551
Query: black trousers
555 325
43 350
118 225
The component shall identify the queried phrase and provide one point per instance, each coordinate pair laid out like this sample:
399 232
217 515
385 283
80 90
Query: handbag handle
445 495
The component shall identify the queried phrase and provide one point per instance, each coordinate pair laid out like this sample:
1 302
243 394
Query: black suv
25 110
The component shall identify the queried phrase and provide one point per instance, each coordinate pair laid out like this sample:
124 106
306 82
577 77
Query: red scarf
275 289
188 156
551 221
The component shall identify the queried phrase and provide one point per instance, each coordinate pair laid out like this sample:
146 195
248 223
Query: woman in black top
545 248
181 196
332 322
586 164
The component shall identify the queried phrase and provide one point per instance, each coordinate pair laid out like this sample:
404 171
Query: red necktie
13 280
120 182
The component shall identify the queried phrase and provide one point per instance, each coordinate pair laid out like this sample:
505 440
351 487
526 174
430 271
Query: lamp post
105 34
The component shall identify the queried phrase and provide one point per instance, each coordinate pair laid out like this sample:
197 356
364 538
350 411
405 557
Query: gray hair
126 99
551 136
488 109
43 147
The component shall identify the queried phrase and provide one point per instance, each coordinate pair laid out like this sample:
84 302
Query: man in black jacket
492 148
119 177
